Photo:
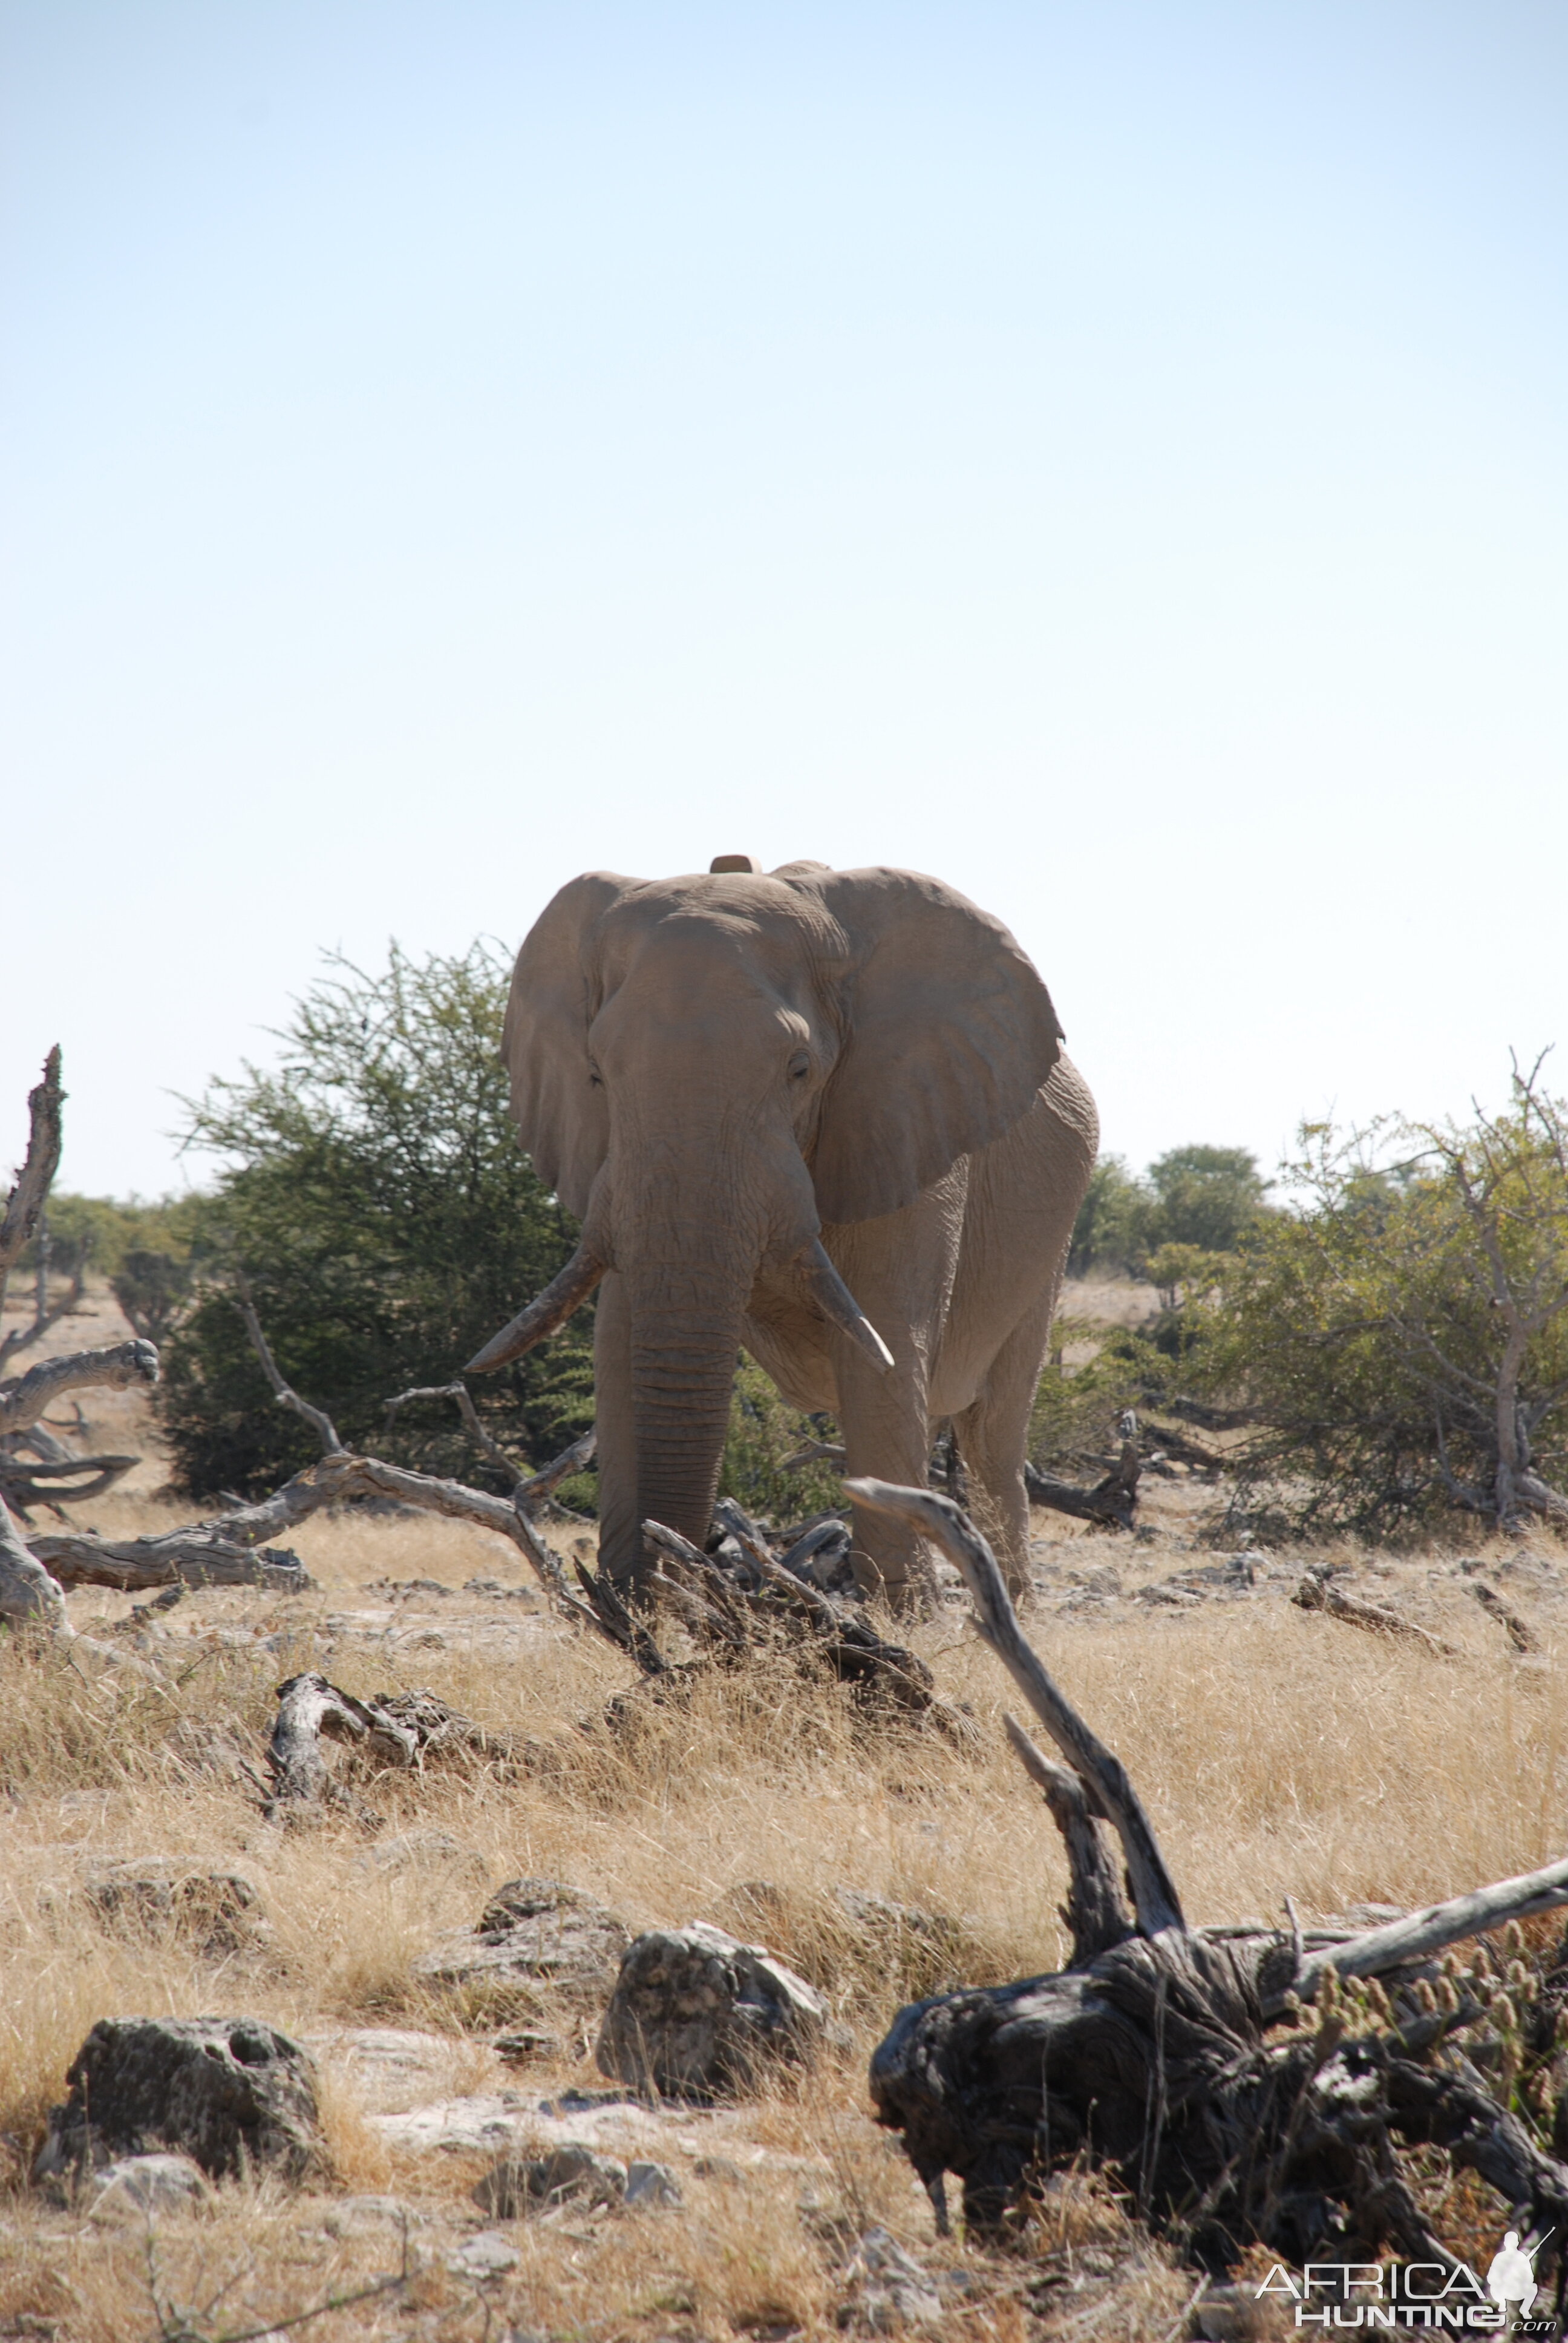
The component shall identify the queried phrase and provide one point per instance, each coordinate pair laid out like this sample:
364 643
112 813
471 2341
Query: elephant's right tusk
838 1304
549 1310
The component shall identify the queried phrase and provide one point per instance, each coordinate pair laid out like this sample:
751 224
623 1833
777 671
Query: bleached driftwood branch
400 1728
26 1590
938 1518
119 1366
1096 1910
55 1483
285 1393
1437 1925
1317 1593
26 1200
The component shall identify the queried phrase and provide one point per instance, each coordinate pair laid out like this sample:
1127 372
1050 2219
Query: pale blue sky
1110 455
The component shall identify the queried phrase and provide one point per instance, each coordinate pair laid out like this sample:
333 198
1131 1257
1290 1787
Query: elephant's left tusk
838 1304
567 1292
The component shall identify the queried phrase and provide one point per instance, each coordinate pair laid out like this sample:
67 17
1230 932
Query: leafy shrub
1073 1426
374 1195
1402 1337
764 1431
152 1289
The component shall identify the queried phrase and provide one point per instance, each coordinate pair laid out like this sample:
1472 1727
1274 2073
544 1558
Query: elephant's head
708 1070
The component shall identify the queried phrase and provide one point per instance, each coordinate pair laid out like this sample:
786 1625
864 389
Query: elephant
826 1115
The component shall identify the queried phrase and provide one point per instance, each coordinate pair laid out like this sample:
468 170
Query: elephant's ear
949 1034
561 1116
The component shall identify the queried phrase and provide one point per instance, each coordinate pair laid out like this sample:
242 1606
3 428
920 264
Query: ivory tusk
549 1310
838 1304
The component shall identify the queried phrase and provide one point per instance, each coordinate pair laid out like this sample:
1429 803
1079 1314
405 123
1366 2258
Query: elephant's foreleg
993 1436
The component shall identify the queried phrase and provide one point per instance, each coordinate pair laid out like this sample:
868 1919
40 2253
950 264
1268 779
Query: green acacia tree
1402 1337
372 1191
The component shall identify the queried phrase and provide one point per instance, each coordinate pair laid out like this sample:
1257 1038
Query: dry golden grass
1279 1753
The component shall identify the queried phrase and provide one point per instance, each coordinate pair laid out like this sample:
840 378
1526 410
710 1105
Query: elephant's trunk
683 1347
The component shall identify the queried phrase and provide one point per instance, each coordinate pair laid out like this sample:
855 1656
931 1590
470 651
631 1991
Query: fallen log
1155 2056
1112 1501
1317 1591
194 1557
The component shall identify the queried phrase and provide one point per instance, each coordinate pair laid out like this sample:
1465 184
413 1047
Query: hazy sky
1110 455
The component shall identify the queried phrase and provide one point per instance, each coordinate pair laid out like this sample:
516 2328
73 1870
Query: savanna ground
1278 1752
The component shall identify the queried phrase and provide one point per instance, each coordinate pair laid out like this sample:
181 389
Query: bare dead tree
1183 2060
25 1202
1511 1178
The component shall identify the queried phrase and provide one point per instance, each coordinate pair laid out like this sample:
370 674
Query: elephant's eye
799 1065
595 1079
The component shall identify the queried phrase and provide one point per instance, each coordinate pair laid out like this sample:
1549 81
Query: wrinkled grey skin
712 1071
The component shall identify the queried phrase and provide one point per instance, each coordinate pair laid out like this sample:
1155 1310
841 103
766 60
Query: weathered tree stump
1185 2060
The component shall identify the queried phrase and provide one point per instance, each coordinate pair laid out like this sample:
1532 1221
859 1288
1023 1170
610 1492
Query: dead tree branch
540 1486
1096 1910
472 1423
401 1730
1154 1894
283 1393
119 1367
1111 1504
1431 1930
27 1198
27 1591
1490 1602
1317 1593
195 1558
60 1483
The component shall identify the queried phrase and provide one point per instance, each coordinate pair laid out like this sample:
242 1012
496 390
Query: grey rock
157 1895
353 2216
138 2188
651 2183
426 1851
533 1935
486 2254
230 2093
517 2185
695 2013
885 2288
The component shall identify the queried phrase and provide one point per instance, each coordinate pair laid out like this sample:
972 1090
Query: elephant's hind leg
993 1436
